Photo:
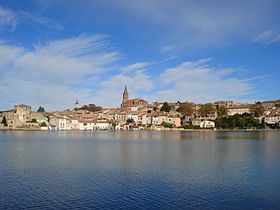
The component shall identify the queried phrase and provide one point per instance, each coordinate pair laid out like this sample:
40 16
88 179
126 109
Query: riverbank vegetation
237 121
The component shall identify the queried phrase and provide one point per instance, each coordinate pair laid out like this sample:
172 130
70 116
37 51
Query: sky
54 52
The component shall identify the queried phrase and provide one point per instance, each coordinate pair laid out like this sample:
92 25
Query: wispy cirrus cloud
13 18
135 67
7 17
269 37
110 90
198 24
8 54
40 20
54 73
201 82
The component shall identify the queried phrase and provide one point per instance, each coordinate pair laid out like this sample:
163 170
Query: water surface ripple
140 170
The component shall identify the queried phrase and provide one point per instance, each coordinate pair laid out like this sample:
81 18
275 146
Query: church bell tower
125 94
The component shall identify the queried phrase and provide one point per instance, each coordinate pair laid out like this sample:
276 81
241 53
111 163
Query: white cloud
199 82
185 24
135 66
56 73
8 54
269 37
41 20
110 92
12 18
7 17
168 49
53 74
138 81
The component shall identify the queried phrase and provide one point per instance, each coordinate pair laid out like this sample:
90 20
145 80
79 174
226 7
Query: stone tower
125 94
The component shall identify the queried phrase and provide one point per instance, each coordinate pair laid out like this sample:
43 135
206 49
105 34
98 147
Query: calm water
140 170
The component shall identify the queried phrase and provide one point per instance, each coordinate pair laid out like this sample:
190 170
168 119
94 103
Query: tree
167 125
257 110
206 110
4 121
90 107
222 111
185 109
130 120
238 121
43 124
41 109
165 107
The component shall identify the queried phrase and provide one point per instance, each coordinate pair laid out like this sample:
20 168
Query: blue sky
52 52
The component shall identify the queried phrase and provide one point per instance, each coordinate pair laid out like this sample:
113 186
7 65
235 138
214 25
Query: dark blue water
140 170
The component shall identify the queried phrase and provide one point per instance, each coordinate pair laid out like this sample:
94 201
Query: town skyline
139 114
126 96
52 53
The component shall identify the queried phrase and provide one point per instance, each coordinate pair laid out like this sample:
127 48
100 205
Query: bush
34 120
167 125
43 124
130 120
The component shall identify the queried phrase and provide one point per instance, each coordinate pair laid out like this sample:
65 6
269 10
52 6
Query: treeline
243 121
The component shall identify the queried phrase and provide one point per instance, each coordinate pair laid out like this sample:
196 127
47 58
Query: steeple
125 90
125 94
76 103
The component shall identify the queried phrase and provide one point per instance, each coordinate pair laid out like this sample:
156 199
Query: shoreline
164 130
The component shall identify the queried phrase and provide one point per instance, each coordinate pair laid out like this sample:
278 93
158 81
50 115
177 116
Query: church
137 102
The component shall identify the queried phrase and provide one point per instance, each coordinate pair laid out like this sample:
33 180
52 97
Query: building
18 116
239 109
89 125
22 113
207 124
59 122
270 104
226 104
9 116
273 118
137 102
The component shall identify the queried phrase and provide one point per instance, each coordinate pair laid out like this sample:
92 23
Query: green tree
257 110
4 121
165 107
41 109
206 109
222 111
33 120
185 109
130 120
43 124
238 121
89 107
167 125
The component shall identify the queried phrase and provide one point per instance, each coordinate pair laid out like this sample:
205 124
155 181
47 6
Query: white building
273 118
239 109
207 124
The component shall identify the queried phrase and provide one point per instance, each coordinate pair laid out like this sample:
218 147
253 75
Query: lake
140 170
